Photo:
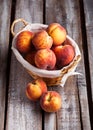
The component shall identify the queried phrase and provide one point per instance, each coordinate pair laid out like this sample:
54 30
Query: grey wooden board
88 10
5 11
74 94
22 114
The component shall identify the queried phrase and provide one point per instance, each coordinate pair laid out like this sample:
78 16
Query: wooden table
16 111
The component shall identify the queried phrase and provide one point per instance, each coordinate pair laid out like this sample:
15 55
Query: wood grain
23 114
5 12
88 10
74 94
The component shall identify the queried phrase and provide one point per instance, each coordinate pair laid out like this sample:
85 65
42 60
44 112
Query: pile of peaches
46 49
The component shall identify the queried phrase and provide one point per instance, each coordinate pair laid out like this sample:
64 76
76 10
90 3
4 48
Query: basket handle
16 21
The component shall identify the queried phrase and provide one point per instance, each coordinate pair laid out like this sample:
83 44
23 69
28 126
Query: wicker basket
53 77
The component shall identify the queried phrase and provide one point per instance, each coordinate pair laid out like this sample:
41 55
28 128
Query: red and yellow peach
45 59
42 40
23 41
57 32
50 101
35 89
30 57
64 55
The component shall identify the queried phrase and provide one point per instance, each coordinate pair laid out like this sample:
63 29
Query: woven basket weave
53 77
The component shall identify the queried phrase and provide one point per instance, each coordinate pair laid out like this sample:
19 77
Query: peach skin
45 59
23 42
64 55
42 40
57 32
35 89
30 57
50 101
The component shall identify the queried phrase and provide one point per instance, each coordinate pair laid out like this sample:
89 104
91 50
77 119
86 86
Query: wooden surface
5 12
16 111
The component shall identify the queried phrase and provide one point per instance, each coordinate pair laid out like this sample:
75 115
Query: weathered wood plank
74 94
88 11
5 11
22 114
50 121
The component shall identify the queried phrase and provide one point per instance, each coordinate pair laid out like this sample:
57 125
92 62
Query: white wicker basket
53 77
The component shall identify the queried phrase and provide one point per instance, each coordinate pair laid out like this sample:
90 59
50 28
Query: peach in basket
59 60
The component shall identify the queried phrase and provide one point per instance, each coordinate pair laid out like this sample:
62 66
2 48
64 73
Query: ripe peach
50 101
64 55
42 40
30 57
57 32
35 89
45 59
23 42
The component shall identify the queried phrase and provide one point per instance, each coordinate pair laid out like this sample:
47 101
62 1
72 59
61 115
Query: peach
57 32
45 59
64 55
23 42
42 40
35 89
30 57
50 101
